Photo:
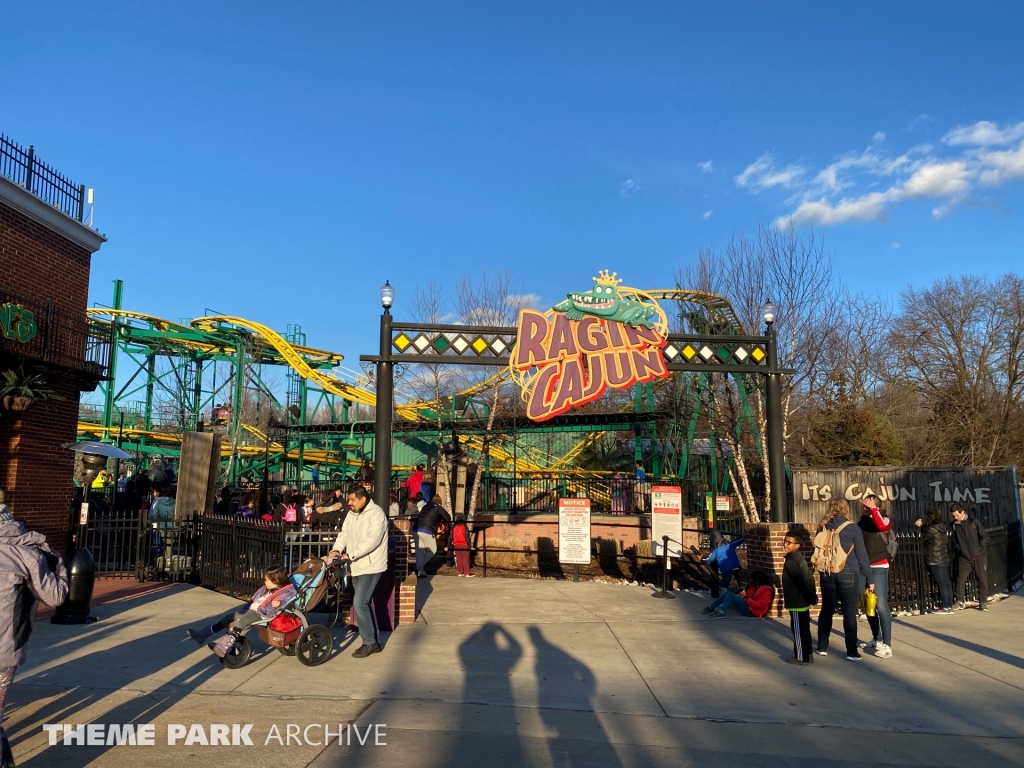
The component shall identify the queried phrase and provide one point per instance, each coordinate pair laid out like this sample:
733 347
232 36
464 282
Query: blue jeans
940 574
362 605
881 622
845 585
731 600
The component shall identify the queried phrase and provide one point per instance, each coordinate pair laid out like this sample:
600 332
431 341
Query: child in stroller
270 599
279 612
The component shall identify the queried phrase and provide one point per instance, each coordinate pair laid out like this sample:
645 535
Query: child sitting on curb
755 600
277 591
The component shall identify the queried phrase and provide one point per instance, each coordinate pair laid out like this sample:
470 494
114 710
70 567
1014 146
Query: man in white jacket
364 542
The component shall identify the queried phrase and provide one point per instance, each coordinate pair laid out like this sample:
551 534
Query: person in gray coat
29 572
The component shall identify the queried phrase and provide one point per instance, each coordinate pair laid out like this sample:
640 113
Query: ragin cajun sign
609 336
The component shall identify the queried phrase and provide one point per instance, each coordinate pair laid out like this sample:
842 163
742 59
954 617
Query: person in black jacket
429 521
799 593
935 543
971 542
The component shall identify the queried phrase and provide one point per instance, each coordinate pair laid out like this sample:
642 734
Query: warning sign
574 531
667 519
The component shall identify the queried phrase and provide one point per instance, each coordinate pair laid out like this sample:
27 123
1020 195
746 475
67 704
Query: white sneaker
871 645
883 651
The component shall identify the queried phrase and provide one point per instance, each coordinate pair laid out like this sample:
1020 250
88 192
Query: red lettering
591 336
570 387
615 334
533 331
649 364
618 369
541 387
595 379
651 336
563 341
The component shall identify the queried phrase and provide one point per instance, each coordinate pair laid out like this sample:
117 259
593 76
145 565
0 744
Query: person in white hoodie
364 542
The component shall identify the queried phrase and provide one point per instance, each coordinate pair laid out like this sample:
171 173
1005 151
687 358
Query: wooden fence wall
990 494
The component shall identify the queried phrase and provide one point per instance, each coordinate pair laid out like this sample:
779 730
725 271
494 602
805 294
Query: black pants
977 566
800 622
845 585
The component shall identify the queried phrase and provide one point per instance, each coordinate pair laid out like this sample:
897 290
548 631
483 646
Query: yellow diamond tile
479 345
689 352
757 354
401 342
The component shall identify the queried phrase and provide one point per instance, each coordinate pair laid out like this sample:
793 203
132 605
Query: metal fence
912 589
21 166
233 553
66 340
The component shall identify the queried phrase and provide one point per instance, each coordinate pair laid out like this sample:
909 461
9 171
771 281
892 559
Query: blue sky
279 161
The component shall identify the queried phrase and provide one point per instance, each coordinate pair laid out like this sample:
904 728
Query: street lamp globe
768 312
387 295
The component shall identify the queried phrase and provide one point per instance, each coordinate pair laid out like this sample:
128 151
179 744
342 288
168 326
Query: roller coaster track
299 357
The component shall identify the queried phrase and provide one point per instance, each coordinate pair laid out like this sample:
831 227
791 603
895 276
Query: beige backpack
829 556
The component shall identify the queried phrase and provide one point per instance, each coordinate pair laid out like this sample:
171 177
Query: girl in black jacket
935 544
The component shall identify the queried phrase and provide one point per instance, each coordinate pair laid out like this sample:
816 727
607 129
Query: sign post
574 534
666 529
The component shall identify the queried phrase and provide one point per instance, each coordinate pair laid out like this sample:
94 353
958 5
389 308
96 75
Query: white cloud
762 174
706 167
984 134
868 207
922 172
707 215
878 138
628 187
1002 166
950 179
895 245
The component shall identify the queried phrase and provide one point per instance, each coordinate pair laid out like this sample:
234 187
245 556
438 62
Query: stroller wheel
288 650
314 645
239 655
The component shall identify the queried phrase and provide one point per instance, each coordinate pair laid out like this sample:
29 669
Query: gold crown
603 278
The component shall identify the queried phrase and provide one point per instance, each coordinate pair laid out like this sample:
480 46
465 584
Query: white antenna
90 199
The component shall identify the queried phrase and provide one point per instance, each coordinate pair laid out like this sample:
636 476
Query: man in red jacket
414 481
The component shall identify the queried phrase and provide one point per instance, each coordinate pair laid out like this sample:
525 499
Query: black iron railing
39 332
233 553
21 166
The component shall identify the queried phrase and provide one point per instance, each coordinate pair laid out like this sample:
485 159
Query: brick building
45 253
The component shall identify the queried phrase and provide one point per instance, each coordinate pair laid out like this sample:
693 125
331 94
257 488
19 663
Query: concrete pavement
547 673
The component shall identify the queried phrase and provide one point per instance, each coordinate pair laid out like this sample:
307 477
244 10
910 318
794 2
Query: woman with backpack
840 559
935 543
877 529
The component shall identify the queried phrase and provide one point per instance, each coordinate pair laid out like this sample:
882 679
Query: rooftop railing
26 170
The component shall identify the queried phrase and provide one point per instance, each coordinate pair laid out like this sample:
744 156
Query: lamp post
776 451
385 403
81 567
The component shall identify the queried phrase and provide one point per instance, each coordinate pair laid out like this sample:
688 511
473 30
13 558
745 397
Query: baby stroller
290 631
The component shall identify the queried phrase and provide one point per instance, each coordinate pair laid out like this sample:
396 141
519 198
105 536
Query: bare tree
960 343
493 299
429 307
798 273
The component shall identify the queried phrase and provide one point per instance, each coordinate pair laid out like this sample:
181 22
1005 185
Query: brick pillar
764 553
405 577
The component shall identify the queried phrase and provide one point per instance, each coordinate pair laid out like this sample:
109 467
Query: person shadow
566 683
488 657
